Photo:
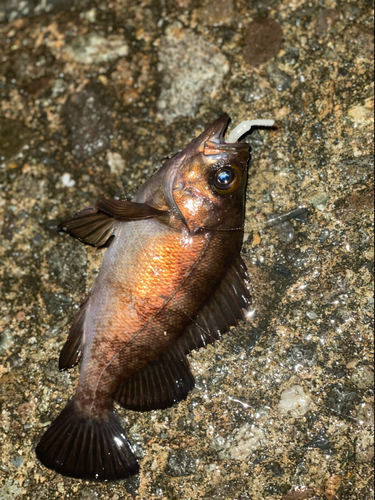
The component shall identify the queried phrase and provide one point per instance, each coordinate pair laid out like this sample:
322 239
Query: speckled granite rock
246 431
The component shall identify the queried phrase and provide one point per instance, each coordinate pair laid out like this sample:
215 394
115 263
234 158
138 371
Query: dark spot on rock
14 135
8 228
275 468
323 235
52 225
297 257
180 463
262 41
278 77
300 215
355 202
357 170
255 140
283 271
284 230
272 489
57 137
326 19
341 400
317 131
13 67
87 116
368 265
15 360
290 57
304 355
322 442
57 303
361 40
67 264
132 485
38 86
37 239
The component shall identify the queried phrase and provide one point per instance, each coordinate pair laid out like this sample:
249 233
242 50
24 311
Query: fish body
172 280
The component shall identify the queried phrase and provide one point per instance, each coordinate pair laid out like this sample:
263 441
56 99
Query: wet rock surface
87 116
283 406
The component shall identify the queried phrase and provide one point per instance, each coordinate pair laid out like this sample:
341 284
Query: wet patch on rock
88 119
262 41
14 135
180 463
281 80
57 303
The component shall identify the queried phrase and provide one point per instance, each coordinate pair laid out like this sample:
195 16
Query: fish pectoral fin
160 384
95 225
87 448
223 310
73 347
128 210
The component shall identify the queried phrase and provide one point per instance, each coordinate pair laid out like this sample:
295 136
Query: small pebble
67 181
311 315
116 163
352 363
294 402
363 376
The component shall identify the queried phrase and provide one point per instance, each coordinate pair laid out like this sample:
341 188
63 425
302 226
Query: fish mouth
219 126
215 132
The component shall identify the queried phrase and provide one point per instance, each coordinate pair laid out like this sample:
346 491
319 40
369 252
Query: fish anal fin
87 448
73 347
95 225
160 384
222 310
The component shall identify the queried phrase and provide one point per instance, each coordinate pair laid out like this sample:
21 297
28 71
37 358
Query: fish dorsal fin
73 347
167 379
95 225
160 384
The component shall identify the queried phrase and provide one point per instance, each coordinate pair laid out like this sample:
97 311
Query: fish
172 280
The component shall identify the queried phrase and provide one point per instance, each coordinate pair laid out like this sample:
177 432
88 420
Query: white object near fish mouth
245 126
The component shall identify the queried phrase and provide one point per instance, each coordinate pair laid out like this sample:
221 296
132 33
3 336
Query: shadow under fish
172 280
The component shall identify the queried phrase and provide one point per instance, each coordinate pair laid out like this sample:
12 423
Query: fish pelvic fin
73 347
87 448
96 225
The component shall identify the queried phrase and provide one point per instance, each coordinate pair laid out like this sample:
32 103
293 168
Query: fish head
205 184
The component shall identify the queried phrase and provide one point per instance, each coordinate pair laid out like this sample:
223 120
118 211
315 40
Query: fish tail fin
87 448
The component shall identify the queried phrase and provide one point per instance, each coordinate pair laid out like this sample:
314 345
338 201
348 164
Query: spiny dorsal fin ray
95 225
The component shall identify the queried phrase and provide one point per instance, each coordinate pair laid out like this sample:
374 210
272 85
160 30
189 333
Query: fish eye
227 179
